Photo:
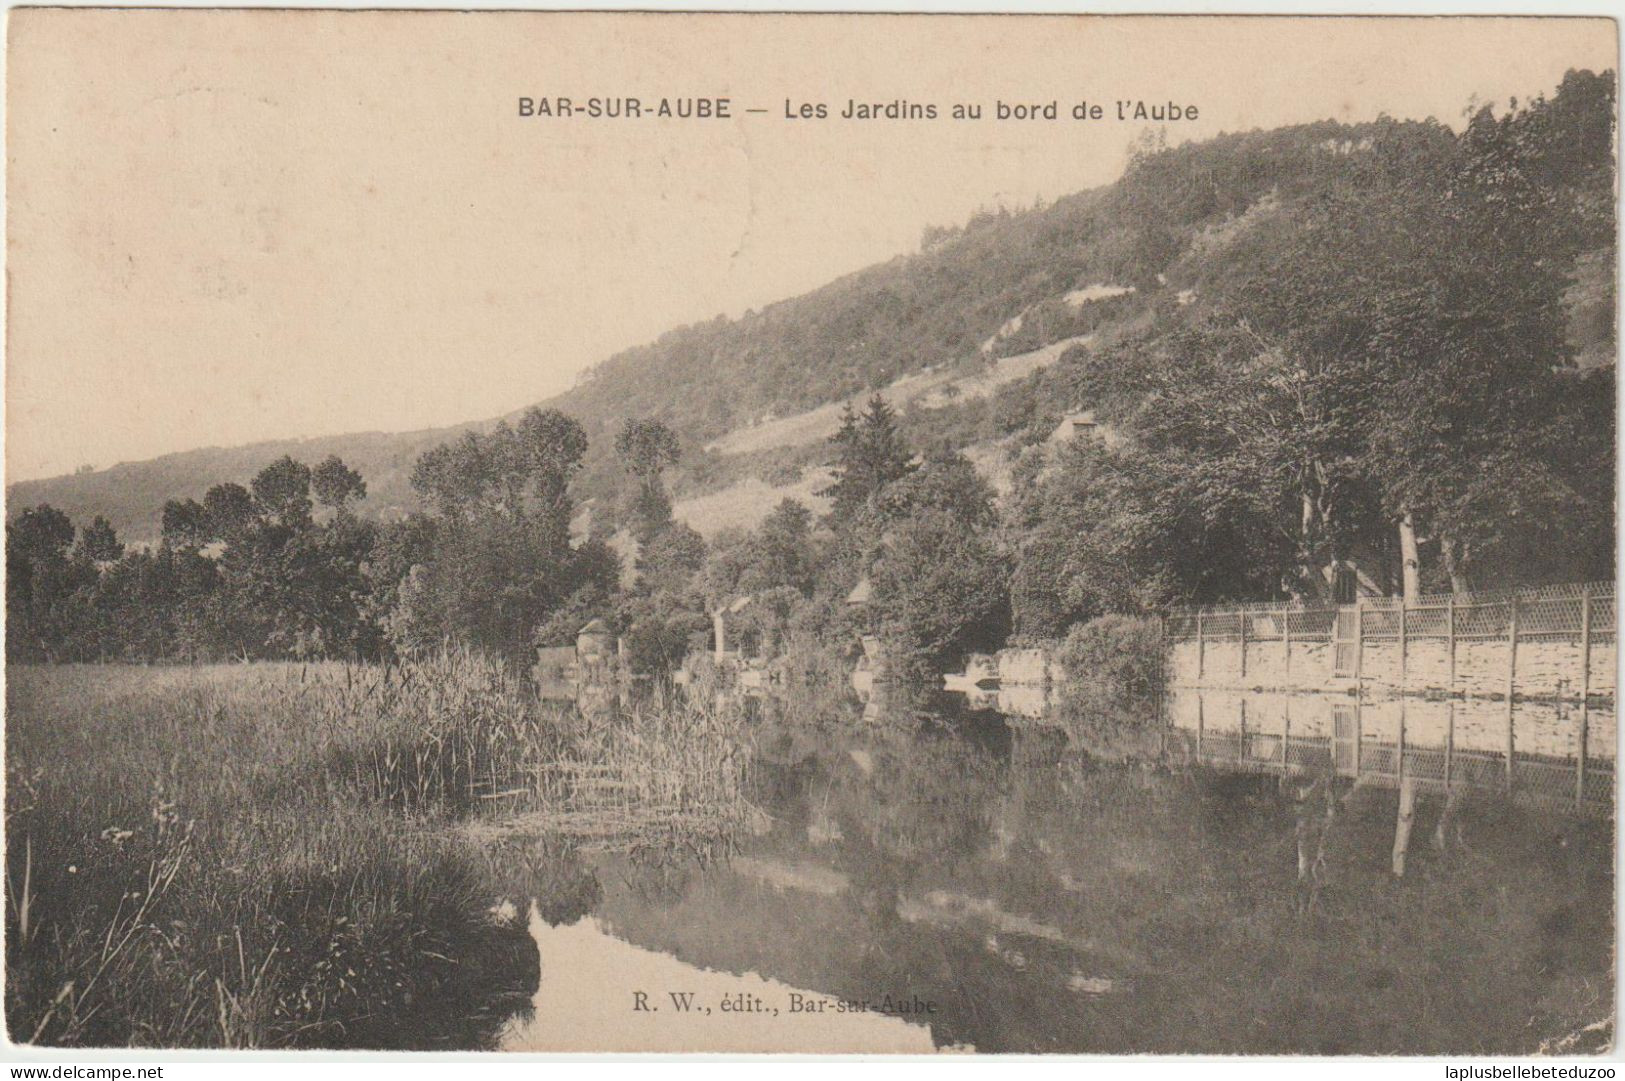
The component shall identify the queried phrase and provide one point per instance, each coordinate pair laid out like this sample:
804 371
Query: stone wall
1307 666
1024 666
1546 667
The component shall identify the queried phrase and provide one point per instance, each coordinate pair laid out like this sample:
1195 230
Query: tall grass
255 856
278 855
667 772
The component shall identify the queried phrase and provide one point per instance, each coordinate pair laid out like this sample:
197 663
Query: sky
232 226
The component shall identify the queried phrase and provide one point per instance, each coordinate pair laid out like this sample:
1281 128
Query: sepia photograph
819 534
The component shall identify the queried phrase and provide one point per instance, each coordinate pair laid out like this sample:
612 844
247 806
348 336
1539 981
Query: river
1214 875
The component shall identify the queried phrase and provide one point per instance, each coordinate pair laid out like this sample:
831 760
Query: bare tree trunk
1452 567
1310 579
1410 559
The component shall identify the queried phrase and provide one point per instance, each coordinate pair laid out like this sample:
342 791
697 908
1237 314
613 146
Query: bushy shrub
1116 656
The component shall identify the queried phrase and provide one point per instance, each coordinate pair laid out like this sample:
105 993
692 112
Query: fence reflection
1559 755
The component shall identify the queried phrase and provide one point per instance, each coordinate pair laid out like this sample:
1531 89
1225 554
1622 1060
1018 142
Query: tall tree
553 445
40 584
99 543
498 561
646 448
228 510
282 492
870 454
336 485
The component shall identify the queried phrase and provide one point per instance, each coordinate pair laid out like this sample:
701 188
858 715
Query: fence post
1286 733
1580 758
1450 609
1201 651
1359 645
1585 643
1359 735
1449 742
1286 646
1243 618
1512 684
1585 699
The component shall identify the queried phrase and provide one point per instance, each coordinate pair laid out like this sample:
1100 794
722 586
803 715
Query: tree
40 584
646 448
452 477
785 554
670 559
1131 528
99 543
870 454
940 591
1238 474
778 554
228 510
184 524
282 492
336 484
1480 410
1424 298
947 482
499 563
596 572
248 572
659 630
521 473
40 532
554 445
398 548
491 581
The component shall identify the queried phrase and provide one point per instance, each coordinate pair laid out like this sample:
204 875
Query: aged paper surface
239 235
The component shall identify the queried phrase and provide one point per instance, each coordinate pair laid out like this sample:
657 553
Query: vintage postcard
618 532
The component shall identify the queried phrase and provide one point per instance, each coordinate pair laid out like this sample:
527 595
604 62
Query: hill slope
753 398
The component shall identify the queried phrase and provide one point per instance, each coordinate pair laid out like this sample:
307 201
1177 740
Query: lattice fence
1544 611
1552 641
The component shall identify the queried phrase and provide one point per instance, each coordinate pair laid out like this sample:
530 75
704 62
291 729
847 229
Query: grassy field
278 855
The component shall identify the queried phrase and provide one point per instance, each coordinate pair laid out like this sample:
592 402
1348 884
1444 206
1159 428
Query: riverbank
259 856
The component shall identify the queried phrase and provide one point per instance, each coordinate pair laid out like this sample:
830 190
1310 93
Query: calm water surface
1006 874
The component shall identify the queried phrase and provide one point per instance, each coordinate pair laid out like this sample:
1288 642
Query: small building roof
1076 423
597 626
861 592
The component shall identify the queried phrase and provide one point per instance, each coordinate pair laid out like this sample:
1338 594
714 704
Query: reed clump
666 772
255 856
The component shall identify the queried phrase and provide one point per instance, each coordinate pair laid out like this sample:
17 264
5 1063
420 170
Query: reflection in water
1553 754
600 994
1049 882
